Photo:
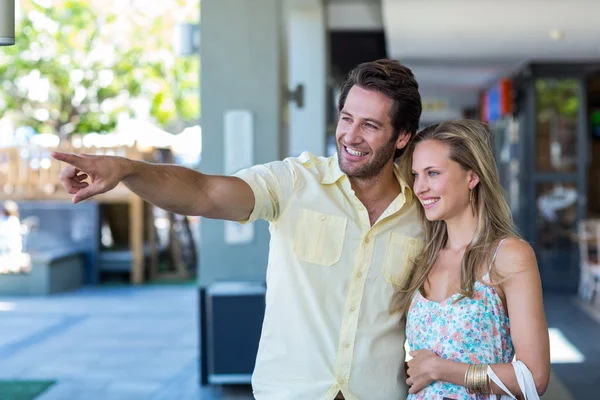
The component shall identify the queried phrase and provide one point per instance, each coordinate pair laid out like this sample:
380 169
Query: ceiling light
556 34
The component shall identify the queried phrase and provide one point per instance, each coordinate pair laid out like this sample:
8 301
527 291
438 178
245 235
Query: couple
365 254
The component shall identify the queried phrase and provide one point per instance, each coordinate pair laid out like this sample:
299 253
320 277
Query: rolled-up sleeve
272 185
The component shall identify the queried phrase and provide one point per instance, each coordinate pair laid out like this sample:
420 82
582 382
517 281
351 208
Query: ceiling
465 45
492 30
354 15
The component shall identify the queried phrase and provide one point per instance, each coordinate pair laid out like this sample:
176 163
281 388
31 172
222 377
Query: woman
473 297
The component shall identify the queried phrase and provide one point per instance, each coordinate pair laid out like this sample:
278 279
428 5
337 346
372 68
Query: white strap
524 378
498 382
526 382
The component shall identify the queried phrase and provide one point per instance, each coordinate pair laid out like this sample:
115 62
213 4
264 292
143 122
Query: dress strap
495 254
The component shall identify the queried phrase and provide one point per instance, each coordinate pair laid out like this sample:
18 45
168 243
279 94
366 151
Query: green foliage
76 67
557 97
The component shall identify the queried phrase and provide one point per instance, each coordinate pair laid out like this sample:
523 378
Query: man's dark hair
395 81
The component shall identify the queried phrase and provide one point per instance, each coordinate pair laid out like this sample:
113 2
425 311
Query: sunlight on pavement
6 306
561 350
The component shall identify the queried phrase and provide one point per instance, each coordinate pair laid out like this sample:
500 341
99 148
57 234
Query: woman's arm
529 331
428 367
528 327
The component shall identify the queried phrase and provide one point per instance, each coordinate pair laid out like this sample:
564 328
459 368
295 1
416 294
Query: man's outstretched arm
171 187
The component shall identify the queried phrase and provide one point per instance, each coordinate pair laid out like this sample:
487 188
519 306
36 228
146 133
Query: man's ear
403 139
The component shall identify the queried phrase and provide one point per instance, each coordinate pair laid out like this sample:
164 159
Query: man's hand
421 370
105 172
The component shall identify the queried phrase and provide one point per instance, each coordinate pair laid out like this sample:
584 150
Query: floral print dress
473 331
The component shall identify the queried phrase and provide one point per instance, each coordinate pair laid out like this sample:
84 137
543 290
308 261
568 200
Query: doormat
22 390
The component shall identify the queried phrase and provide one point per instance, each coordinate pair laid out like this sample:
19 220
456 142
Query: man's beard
371 168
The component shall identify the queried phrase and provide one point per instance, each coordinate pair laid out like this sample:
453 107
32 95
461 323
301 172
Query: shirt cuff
258 195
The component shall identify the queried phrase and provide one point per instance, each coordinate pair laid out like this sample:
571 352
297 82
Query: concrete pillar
308 61
242 59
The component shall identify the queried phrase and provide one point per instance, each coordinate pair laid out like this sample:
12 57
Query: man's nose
353 133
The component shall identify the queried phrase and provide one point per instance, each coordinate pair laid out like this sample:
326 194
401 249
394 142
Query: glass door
557 186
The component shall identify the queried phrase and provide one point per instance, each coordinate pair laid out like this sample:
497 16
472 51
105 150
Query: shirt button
367 240
347 345
323 217
353 308
361 208
359 274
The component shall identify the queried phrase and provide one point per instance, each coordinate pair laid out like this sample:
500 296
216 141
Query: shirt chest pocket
319 238
400 253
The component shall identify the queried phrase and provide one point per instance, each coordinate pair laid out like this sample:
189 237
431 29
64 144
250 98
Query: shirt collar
406 190
334 174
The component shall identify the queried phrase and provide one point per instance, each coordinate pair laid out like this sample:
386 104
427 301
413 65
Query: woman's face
441 184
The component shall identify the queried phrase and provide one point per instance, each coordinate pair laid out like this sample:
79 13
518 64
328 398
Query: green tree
77 66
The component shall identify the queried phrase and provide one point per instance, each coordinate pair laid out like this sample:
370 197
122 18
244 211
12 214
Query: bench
52 271
62 245
64 228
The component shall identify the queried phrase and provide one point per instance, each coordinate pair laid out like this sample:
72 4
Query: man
342 229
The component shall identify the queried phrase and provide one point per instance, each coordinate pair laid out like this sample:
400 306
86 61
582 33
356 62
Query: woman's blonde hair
469 144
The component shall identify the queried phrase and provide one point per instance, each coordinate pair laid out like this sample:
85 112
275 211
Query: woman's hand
422 369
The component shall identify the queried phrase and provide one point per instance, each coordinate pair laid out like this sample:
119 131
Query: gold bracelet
469 384
465 381
472 379
475 378
484 379
477 382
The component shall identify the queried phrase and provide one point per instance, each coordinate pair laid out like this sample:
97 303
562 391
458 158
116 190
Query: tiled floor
581 374
141 343
109 343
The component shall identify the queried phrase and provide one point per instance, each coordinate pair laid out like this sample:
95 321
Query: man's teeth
430 201
354 152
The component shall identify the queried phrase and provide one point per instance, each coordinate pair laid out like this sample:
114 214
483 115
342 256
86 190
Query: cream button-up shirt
327 327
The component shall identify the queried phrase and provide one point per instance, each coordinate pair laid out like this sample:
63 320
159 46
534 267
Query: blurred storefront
547 143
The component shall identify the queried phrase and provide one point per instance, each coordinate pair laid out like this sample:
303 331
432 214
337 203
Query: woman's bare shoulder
515 256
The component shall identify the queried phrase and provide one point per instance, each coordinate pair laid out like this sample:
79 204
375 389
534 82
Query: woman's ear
473 180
